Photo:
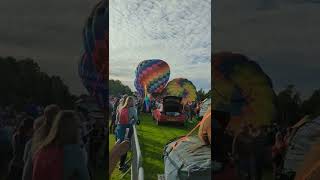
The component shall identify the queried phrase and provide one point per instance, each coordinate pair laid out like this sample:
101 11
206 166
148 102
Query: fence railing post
137 172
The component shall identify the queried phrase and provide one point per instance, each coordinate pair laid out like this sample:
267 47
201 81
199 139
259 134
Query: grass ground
152 139
117 175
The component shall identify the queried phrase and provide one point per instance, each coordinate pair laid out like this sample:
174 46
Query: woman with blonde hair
39 135
126 118
49 114
60 155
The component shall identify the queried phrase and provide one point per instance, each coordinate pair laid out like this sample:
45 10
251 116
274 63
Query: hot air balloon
100 31
95 37
93 66
93 81
242 89
182 88
151 76
87 33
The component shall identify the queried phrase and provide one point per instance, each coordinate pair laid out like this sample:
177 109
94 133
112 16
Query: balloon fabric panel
182 88
247 91
152 74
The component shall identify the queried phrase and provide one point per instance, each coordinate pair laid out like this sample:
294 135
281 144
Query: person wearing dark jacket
19 140
242 152
260 153
113 116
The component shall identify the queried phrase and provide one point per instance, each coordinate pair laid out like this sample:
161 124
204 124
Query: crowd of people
245 155
125 110
124 116
190 109
50 142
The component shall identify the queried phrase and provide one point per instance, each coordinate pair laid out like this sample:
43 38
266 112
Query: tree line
116 88
291 108
23 82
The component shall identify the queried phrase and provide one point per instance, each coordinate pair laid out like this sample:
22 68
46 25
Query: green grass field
152 139
116 175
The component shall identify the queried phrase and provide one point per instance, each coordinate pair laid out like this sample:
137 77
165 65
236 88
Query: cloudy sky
47 31
177 31
282 35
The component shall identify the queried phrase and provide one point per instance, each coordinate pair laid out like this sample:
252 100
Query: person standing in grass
126 118
113 116
119 106
186 110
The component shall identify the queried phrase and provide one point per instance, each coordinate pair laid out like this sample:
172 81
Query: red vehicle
171 111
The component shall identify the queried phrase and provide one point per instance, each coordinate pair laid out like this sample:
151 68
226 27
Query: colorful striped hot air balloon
242 89
95 36
151 76
93 66
100 29
182 88
93 81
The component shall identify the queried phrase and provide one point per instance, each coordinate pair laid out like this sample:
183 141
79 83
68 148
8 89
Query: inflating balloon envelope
100 31
93 65
151 76
93 81
242 89
182 88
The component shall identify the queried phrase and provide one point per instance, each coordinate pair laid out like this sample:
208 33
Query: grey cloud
283 39
48 31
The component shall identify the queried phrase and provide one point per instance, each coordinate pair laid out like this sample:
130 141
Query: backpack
124 116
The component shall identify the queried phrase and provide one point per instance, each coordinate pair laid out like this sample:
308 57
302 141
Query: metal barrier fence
137 172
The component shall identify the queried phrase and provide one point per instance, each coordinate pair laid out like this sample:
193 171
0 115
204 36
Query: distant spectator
277 154
36 125
19 140
242 152
288 136
260 152
113 116
27 169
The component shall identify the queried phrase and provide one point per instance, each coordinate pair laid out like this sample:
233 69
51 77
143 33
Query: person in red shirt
38 137
60 156
126 118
